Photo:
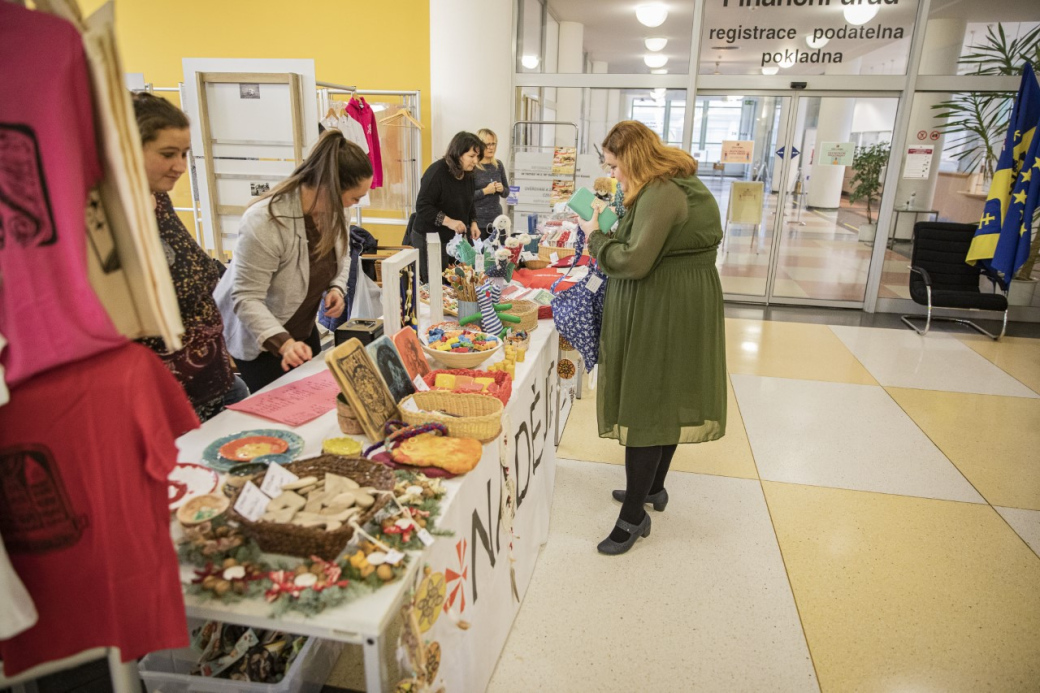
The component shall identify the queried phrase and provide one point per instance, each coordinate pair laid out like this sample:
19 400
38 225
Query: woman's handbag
578 311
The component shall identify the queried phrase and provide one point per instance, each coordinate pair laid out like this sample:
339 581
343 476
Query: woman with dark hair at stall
201 365
292 251
445 202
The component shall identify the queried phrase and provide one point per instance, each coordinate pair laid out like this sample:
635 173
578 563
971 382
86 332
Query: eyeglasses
491 144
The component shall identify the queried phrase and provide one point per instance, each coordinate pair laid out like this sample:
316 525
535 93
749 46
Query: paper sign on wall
514 195
918 162
837 153
737 151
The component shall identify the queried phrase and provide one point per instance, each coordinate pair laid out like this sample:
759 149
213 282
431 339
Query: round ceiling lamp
652 14
655 44
860 14
529 61
817 44
770 70
655 60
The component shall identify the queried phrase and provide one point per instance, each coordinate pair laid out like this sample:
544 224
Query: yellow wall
372 45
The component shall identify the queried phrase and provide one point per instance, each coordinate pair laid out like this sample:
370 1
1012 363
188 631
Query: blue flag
1003 237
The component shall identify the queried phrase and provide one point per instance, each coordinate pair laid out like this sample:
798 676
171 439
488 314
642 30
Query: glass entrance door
799 227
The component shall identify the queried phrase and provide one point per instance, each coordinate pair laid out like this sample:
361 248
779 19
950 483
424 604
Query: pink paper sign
296 403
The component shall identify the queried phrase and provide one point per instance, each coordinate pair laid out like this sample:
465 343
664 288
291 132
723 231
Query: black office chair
940 277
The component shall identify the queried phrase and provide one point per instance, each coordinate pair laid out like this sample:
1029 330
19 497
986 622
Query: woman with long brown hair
292 250
662 377
201 365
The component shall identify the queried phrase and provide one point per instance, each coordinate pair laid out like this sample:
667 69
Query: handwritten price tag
393 557
593 284
425 537
276 477
420 384
252 502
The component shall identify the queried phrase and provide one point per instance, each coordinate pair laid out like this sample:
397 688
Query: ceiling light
660 71
771 70
655 60
860 14
816 44
786 63
652 14
529 61
655 44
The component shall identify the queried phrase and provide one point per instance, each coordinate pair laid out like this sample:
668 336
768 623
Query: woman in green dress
662 374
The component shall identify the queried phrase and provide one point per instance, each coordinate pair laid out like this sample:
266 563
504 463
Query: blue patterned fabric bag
578 311
356 247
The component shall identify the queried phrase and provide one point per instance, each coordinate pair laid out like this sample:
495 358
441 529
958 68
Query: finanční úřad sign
785 56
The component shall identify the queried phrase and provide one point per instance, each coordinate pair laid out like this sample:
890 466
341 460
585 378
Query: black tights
645 470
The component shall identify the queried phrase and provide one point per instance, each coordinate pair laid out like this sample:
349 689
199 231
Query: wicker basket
293 540
545 252
348 422
502 379
454 360
527 311
467 416
536 264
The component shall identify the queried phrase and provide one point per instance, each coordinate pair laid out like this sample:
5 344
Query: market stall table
475 562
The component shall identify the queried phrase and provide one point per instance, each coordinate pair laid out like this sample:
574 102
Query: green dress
662 358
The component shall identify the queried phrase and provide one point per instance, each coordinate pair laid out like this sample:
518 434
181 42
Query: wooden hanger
402 114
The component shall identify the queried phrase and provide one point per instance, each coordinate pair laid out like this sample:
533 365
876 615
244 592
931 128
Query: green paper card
581 203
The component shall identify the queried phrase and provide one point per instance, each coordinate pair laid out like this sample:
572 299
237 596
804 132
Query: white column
469 91
599 116
572 61
942 46
834 125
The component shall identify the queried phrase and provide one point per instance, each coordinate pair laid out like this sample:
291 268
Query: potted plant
868 165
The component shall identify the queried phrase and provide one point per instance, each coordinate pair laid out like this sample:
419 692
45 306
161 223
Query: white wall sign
837 153
737 151
918 162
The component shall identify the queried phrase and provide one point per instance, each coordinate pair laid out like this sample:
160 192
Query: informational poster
837 153
562 190
737 151
564 161
745 202
918 162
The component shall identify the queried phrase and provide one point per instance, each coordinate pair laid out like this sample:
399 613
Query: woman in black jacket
445 202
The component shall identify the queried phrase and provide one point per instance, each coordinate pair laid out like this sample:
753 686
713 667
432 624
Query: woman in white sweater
292 253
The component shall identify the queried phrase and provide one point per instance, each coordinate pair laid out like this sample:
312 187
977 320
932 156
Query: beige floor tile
747 286
909 594
791 350
1017 356
994 441
729 456
1026 524
702 604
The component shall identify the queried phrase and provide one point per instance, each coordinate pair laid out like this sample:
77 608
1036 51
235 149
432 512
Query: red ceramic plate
251 447
188 480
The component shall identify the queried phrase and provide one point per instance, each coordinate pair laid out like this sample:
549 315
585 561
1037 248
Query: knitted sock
640 469
667 451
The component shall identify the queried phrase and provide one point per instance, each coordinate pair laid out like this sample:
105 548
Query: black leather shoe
615 548
659 499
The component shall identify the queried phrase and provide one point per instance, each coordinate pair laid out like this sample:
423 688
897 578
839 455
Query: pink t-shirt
359 110
48 163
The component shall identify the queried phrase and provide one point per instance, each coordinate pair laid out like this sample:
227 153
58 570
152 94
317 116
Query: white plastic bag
368 299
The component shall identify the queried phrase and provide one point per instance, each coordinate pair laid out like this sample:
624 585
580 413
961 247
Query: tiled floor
871 522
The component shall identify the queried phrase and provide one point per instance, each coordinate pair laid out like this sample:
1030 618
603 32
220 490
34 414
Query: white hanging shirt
17 612
353 131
